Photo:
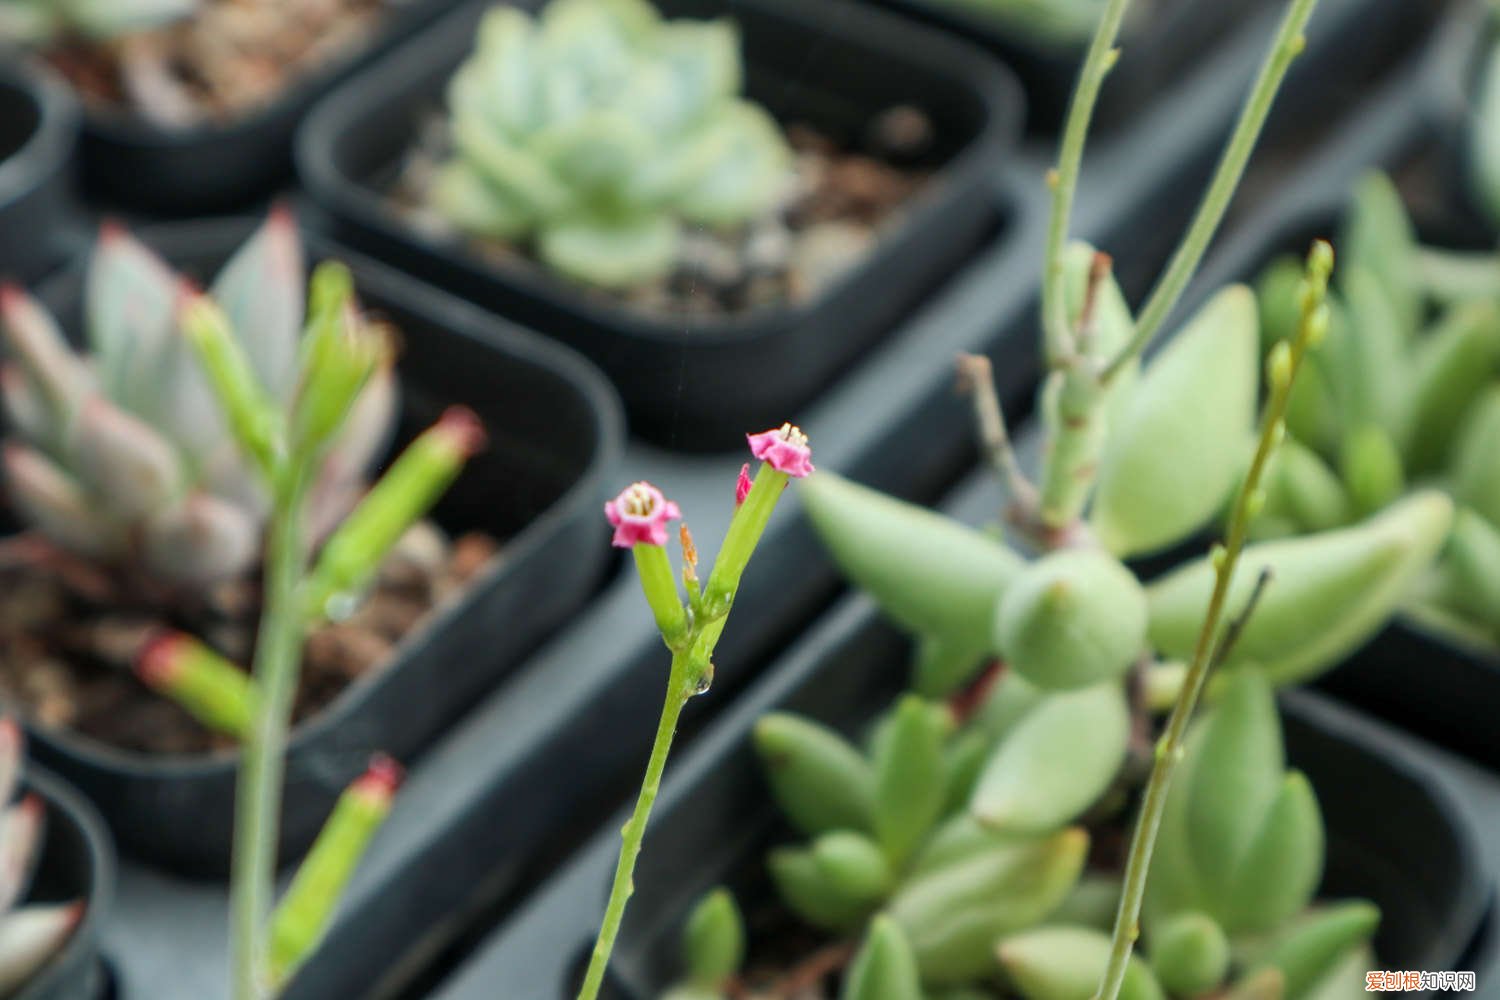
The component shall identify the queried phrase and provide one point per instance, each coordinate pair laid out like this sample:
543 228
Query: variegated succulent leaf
597 128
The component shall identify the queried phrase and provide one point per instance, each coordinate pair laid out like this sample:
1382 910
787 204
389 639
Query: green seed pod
1072 619
854 865
1454 362
1312 949
1173 457
1190 954
955 914
1056 763
1279 872
809 893
1378 239
713 940
909 792
1471 559
1371 468
1474 471
820 782
1304 489
1330 593
1068 963
1276 292
1094 902
883 968
932 575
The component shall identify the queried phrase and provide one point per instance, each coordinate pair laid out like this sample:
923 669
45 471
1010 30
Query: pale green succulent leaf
884 968
1067 963
1474 472
1190 954
1318 943
713 940
1279 871
1378 239
610 254
909 793
819 780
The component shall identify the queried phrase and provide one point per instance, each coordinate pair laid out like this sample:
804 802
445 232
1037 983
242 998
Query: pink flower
742 485
785 448
640 514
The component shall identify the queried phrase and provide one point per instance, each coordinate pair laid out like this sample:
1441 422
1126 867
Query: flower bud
208 687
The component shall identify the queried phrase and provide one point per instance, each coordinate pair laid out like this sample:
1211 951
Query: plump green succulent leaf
1279 870
1237 774
262 291
940 668
118 456
1317 943
1303 489
884 968
855 865
954 914
44 495
201 539
1093 902
1372 353
1454 362
713 940
732 169
1470 562
1378 239
1370 466
908 765
963 762
1071 619
808 892
520 175
1056 763
1175 453
1474 472
610 253
819 780
1313 414
1276 291
1009 700
1067 963
1331 591
960 836
1190 954
931 574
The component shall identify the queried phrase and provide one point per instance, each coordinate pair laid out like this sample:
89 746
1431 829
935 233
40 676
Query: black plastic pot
217 167
77 862
38 131
700 384
1161 41
1382 807
554 437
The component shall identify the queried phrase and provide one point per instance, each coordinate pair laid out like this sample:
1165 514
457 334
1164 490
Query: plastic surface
218 167
38 132
697 384
554 441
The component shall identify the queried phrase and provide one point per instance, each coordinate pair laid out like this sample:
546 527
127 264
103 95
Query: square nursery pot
701 384
218 166
714 821
77 862
554 436
38 131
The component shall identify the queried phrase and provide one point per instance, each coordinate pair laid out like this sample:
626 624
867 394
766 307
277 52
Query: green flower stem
1057 334
1189 253
1282 367
257 815
660 586
682 685
745 529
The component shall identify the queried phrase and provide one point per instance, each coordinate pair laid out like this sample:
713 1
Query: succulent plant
1406 390
596 130
1054 22
30 933
35 22
124 455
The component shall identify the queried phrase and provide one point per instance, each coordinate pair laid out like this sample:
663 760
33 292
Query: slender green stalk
682 685
257 815
1189 253
1282 368
1064 180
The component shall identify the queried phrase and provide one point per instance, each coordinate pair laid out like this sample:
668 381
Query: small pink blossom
742 485
640 514
785 448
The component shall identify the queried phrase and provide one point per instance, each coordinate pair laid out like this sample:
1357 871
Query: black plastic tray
554 443
220 167
1382 807
38 131
698 384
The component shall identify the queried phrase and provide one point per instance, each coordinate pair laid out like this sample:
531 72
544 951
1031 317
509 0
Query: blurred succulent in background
30 934
1405 390
39 22
598 129
1050 22
123 455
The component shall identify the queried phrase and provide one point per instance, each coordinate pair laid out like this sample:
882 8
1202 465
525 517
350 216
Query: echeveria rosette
43 22
597 129
31 934
123 455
